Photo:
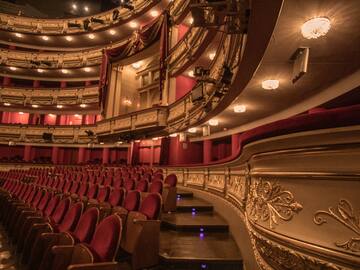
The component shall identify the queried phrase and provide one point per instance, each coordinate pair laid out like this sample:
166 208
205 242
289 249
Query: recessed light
87 69
18 35
155 138
35 106
74 6
192 130
91 36
173 135
69 38
51 115
59 106
212 55
101 143
133 24
315 27
136 65
65 71
83 105
137 141
270 84
40 70
154 13
239 108
21 112
191 20
13 68
213 122
7 104
112 32
191 73
86 8
46 38
77 115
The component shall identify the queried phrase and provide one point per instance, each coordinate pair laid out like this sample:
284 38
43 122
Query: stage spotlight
115 14
47 137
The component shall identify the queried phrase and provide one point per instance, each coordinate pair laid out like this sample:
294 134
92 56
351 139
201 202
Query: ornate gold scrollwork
345 215
270 202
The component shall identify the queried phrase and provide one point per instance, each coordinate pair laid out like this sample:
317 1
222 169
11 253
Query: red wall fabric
182 29
183 86
185 152
50 119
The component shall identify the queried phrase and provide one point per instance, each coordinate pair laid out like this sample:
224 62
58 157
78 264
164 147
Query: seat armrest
95 266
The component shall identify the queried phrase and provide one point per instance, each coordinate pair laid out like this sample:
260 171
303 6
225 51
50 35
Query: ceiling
332 57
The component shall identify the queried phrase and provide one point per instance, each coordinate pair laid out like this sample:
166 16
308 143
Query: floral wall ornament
270 202
344 214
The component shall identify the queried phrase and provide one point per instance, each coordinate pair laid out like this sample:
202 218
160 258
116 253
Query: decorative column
207 147
55 155
235 143
81 155
27 153
105 155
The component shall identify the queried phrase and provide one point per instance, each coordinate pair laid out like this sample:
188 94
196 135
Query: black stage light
96 20
226 75
74 25
115 14
86 24
48 137
89 132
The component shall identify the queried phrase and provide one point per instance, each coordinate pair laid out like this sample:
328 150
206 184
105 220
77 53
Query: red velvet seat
142 186
156 187
169 193
100 253
129 184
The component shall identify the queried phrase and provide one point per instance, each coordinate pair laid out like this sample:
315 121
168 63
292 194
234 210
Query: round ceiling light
112 32
83 105
315 27
173 135
212 55
87 69
13 68
59 106
239 108
270 84
40 70
7 104
213 122
65 71
69 38
21 113
136 65
35 106
18 35
133 24
154 13
192 130
46 38
91 36
191 73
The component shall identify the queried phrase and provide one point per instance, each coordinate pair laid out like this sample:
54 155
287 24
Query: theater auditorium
179 135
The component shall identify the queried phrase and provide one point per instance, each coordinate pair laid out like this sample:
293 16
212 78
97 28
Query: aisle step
196 222
184 194
193 205
180 250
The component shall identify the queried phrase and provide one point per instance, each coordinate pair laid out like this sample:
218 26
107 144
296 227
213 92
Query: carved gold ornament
270 202
345 215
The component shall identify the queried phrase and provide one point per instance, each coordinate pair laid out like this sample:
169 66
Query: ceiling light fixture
212 55
192 130
51 115
213 122
59 106
154 13
191 20
136 65
35 106
69 38
91 36
7 104
173 135
315 27
191 73
155 138
83 105
74 6
239 108
40 70
13 68
270 84
87 69
46 38
112 32
65 71
21 113
86 8
76 115
133 24
18 35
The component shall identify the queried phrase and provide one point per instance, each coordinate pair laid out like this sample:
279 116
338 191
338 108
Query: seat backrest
31 195
156 187
60 210
106 240
83 189
74 188
67 186
132 201
118 182
108 181
86 227
37 198
116 197
71 218
129 184
44 201
142 186
171 180
92 192
151 206
157 177
103 194
51 205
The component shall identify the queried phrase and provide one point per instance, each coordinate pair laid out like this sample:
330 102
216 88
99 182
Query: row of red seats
23 204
